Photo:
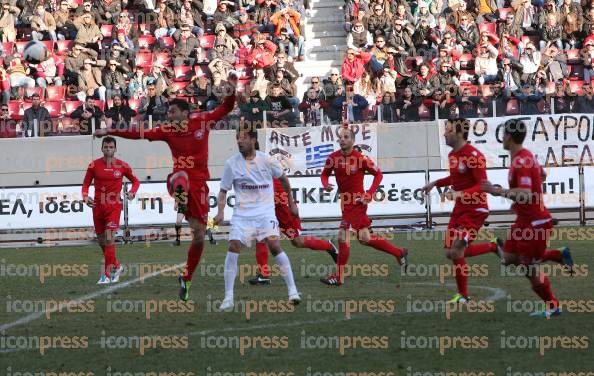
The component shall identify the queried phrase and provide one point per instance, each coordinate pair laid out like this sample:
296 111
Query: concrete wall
64 160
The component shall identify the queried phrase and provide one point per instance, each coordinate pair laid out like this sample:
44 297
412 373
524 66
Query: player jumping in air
467 170
290 226
529 235
250 173
349 167
106 174
188 140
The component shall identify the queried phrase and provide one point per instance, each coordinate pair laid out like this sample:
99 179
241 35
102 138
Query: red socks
552 255
542 288
109 258
194 254
383 245
262 258
461 274
343 258
316 244
479 249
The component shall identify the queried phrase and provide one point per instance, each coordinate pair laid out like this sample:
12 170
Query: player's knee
297 242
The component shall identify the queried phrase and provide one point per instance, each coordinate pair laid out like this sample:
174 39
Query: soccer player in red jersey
467 169
290 226
349 167
529 235
187 138
106 174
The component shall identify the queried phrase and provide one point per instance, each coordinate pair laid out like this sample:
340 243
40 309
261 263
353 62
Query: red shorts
465 225
529 240
106 218
289 224
355 217
197 199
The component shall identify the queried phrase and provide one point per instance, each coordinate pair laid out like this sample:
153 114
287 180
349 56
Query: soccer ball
35 52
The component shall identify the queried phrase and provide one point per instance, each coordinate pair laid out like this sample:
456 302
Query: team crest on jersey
117 174
199 134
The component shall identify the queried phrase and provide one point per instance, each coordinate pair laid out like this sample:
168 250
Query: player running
349 167
290 226
188 141
250 173
467 169
106 174
529 235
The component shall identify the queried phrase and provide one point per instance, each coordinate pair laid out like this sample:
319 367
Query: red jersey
280 196
349 171
188 142
108 181
467 170
525 172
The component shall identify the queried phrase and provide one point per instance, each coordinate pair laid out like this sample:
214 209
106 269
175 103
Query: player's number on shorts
273 224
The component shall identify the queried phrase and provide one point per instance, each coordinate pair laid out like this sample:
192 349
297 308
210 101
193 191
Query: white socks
285 267
230 273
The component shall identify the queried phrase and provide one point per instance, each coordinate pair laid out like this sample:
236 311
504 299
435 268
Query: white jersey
252 182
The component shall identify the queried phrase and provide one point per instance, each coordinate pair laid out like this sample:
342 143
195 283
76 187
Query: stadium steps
325 41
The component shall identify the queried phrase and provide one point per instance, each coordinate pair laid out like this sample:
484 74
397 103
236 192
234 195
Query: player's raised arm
224 108
136 132
89 176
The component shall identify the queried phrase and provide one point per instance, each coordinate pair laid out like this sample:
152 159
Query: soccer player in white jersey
250 173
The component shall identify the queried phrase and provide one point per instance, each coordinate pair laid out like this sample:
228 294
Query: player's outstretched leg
542 287
381 244
194 255
230 274
263 275
281 259
560 255
477 249
337 279
316 244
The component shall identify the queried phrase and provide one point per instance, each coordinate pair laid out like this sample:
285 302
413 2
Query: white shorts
246 229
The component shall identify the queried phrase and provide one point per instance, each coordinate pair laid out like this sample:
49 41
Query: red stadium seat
34 90
8 48
489 27
55 93
146 42
26 106
54 108
167 43
107 30
70 106
473 89
550 89
424 113
503 12
15 110
486 90
49 44
134 104
575 87
109 103
64 46
176 87
182 73
144 59
466 76
207 41
163 58
99 103
199 71
512 107
466 61
573 56
20 46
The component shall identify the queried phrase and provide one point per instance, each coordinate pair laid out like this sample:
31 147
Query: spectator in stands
379 22
527 16
587 59
354 66
89 115
529 100
43 24
88 33
165 20
359 37
438 32
487 11
262 55
352 105
124 42
511 27
551 33
467 34
201 89
50 71
280 111
65 29
588 22
264 12
441 100
225 38
281 63
220 66
224 14
153 106
7 22
571 31
424 83
555 64
467 104
509 77
115 82
259 83
422 37
289 89
401 40
402 13
186 45
485 64
386 111
136 86
386 82
221 52
254 108
190 14
530 60
245 26
380 55
35 115
355 12
18 71
244 50
459 11
287 20
447 76
584 103
90 81
332 85
108 11
4 85
561 99
119 115
7 125
312 107
158 76
407 107
317 88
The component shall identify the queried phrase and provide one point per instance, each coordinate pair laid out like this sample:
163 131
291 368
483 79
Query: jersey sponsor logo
199 134
253 186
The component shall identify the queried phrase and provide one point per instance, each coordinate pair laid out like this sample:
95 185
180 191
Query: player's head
247 140
456 131
179 110
108 147
346 139
514 133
